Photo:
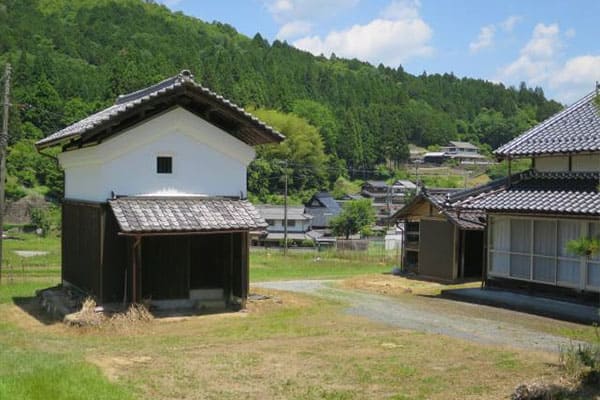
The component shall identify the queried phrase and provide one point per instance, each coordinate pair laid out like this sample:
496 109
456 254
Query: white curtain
567 230
501 234
520 235
520 266
500 263
568 271
544 269
594 274
544 237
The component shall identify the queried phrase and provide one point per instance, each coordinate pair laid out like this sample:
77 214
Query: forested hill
71 58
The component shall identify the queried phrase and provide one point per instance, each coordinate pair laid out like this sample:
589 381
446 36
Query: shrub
47 219
581 362
584 246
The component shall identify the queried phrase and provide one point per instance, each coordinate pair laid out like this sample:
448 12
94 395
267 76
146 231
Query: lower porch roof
143 215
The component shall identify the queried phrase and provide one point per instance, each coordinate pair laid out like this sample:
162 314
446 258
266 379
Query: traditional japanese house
535 214
440 242
323 207
299 226
155 189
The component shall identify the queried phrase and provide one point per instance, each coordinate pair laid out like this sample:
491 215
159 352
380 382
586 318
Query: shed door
436 249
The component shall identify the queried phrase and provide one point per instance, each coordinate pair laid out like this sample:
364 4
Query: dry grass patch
297 347
397 285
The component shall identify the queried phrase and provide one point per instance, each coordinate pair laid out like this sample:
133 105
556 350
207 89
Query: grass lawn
290 347
287 347
268 266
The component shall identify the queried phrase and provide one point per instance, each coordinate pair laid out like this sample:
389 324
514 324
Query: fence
368 250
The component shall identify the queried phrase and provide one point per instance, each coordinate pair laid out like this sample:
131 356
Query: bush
307 243
581 362
13 190
47 219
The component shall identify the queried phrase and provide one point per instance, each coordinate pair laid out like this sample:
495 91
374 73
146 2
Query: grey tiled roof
323 214
130 102
468 219
535 192
276 212
572 130
190 214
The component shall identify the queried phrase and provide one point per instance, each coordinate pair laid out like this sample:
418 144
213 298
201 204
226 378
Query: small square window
164 165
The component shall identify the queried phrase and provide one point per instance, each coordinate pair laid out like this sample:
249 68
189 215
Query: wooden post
3 145
285 212
134 255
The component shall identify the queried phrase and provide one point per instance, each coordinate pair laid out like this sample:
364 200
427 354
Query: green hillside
71 58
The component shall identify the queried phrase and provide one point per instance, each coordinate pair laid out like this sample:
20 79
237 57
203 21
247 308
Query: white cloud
294 29
484 39
537 57
544 43
400 34
509 23
538 64
402 9
578 70
170 3
286 11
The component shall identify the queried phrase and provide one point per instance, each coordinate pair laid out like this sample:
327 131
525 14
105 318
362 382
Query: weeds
581 362
88 316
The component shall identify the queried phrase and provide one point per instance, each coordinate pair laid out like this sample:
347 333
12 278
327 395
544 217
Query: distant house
154 197
464 153
299 225
386 198
461 152
440 242
533 216
435 157
416 153
323 207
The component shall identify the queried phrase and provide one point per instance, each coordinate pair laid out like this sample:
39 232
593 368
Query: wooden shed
154 203
440 242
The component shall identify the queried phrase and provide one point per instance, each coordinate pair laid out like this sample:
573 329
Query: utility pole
285 211
3 144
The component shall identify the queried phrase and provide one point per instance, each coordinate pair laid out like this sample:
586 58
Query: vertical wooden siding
437 249
81 246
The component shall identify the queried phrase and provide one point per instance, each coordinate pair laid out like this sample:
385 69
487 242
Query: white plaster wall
206 161
552 164
586 163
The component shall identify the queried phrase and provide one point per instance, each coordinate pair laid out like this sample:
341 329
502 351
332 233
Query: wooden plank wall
116 261
165 267
81 260
437 249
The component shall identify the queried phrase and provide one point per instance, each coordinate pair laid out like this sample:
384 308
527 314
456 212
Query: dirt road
427 315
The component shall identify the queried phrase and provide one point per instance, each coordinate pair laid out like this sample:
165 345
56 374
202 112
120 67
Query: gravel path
412 315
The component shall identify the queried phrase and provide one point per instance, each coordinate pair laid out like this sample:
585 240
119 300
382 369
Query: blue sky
548 43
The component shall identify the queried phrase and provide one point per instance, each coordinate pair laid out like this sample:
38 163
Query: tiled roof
468 219
168 215
179 84
463 145
322 214
572 130
535 192
276 212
